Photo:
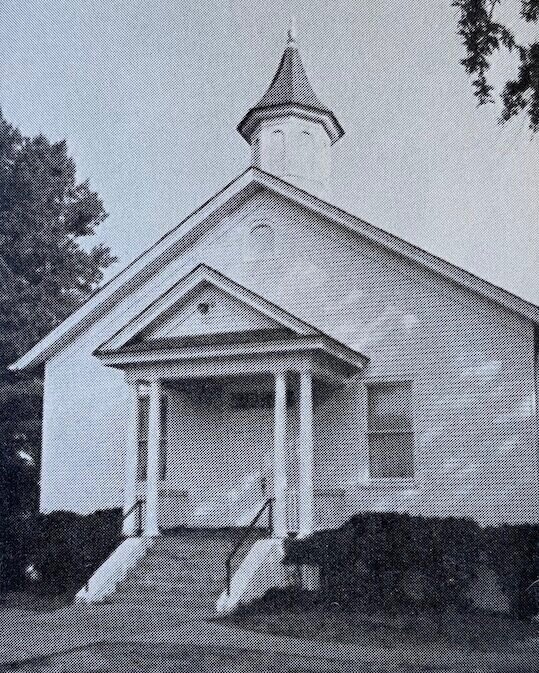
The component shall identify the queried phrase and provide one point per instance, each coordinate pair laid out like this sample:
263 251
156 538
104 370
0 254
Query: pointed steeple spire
290 88
292 31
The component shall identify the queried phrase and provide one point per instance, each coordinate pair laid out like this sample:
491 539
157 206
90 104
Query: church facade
274 346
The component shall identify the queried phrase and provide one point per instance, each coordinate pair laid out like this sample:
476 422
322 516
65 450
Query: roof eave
329 121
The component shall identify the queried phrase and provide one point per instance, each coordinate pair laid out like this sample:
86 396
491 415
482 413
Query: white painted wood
131 460
306 457
471 361
295 149
223 314
321 343
219 207
279 457
151 527
202 275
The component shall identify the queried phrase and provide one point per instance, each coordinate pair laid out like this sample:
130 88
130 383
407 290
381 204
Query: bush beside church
375 561
55 553
379 561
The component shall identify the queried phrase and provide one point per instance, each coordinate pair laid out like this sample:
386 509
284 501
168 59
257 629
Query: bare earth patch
165 658
24 600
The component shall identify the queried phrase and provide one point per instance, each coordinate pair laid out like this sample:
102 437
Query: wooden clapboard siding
471 360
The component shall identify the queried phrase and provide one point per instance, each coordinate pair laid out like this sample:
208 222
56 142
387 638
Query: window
390 430
260 242
276 153
306 154
142 430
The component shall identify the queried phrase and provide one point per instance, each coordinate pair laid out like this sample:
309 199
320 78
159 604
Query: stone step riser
176 577
166 602
180 576
189 566
195 587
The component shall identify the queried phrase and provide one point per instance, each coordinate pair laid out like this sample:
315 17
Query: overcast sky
148 94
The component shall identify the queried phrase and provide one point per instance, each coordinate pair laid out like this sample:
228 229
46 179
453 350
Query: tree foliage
44 275
482 36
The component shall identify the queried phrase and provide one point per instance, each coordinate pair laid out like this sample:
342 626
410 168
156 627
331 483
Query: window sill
389 485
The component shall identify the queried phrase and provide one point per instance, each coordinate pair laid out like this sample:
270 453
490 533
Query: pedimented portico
211 338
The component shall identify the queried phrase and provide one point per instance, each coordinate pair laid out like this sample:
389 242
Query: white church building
272 346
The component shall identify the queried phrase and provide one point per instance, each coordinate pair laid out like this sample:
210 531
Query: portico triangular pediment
208 310
202 304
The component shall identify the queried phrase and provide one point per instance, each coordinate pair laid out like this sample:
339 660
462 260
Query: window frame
390 482
268 256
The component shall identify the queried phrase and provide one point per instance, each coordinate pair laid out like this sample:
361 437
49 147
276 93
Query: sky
148 94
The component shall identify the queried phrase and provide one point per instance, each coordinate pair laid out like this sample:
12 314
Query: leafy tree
482 36
44 275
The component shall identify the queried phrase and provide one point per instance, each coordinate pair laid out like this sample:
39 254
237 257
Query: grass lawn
25 600
301 616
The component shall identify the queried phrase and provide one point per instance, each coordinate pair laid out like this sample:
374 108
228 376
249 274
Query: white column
151 528
306 485
279 458
131 460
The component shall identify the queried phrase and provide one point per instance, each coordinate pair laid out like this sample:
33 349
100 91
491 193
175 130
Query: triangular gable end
203 303
242 188
208 310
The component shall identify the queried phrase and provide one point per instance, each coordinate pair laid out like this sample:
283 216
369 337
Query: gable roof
180 290
303 335
246 185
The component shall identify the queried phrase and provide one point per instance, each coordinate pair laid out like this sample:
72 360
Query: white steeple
290 130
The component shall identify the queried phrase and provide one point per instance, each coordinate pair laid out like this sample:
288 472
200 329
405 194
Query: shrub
13 552
513 553
383 561
64 549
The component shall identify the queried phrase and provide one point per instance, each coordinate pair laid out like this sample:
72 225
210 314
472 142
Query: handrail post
136 508
139 517
270 516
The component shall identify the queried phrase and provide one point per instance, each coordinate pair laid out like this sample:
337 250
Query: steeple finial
292 32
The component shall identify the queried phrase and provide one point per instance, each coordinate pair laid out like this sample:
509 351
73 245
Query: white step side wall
260 570
112 571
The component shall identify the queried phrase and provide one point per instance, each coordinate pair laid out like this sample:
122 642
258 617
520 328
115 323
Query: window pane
391 456
390 407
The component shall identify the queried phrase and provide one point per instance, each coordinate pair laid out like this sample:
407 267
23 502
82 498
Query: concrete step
157 601
188 562
166 569
178 575
166 588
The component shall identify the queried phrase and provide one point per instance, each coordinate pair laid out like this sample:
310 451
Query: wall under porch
220 445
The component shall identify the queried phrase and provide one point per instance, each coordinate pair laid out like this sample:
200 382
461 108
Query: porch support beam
279 457
131 461
151 527
306 458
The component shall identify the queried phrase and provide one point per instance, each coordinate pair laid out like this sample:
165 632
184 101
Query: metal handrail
137 505
228 563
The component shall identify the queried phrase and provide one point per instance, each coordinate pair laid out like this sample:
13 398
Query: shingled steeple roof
290 87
